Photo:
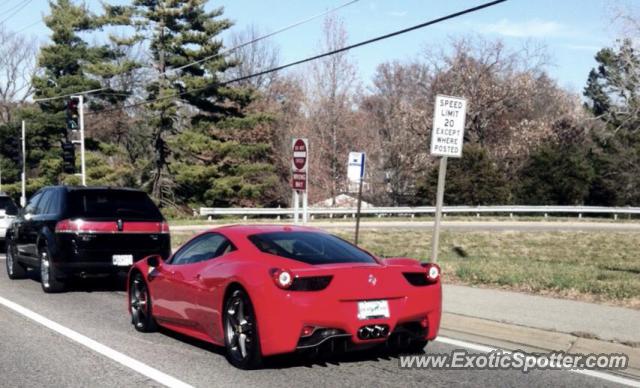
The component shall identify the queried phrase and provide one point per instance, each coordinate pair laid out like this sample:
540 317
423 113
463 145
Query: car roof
89 188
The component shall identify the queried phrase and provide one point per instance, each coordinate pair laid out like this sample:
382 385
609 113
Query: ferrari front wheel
241 331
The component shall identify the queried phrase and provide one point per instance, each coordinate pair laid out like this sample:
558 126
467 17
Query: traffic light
72 114
68 157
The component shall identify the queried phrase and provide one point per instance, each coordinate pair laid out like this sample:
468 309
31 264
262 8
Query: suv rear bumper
71 259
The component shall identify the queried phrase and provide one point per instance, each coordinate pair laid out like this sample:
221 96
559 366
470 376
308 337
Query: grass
596 266
592 266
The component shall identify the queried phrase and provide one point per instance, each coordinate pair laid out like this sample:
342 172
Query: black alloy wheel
15 270
241 331
49 277
140 302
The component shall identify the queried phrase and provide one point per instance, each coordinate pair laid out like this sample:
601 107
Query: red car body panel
189 298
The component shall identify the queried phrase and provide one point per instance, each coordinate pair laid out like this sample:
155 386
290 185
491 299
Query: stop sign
299 165
300 154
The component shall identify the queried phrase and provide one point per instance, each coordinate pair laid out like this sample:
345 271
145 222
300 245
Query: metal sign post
442 172
296 202
447 136
299 178
23 197
83 173
355 172
82 166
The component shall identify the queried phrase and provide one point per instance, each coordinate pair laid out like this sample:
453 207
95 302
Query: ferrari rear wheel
140 302
416 346
241 331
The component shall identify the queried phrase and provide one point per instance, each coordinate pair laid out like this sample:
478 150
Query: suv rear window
310 247
108 203
8 206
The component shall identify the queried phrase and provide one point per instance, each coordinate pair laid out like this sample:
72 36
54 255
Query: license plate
373 309
122 260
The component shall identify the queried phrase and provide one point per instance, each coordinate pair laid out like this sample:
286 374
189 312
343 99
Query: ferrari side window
205 247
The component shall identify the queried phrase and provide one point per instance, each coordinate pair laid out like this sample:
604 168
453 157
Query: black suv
84 231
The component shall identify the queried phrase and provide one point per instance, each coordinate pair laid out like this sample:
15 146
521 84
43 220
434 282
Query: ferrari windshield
309 247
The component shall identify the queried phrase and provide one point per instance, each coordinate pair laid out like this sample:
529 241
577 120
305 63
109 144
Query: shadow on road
297 359
94 284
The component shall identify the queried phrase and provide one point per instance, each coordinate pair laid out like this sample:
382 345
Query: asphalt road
32 355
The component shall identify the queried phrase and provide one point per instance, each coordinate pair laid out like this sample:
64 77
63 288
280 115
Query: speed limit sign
447 133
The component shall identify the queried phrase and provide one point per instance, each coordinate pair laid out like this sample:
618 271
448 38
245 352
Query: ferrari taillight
432 272
282 278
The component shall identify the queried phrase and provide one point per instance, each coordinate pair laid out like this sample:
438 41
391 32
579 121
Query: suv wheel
15 270
48 274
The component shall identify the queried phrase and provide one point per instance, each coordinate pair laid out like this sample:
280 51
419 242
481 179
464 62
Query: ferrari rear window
309 247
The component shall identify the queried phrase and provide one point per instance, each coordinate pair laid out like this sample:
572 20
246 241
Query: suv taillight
164 227
66 226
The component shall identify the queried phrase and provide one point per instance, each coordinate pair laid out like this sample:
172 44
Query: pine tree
69 65
613 95
206 149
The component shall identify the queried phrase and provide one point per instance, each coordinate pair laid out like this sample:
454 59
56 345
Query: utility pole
23 198
80 142
82 166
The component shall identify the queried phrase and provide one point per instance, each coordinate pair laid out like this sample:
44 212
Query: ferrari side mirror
154 261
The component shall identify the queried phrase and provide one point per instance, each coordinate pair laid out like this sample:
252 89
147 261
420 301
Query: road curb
515 337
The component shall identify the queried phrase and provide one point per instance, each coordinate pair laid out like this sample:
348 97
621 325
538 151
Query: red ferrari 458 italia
267 290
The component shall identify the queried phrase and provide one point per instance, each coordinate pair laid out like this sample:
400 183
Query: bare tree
512 101
396 110
331 109
17 65
514 106
252 58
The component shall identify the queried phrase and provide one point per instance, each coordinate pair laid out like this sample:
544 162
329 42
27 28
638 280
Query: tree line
168 115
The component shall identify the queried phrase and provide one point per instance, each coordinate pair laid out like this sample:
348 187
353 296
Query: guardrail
412 211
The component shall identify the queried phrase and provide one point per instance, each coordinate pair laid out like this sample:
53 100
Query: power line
313 58
18 8
265 36
224 52
8 2
29 26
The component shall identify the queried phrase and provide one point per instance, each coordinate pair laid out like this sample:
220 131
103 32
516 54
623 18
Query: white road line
486 349
97 347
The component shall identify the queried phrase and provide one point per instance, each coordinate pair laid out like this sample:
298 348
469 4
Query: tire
241 331
140 305
416 346
49 277
15 270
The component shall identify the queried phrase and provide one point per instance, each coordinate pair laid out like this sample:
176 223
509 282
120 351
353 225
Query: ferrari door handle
198 277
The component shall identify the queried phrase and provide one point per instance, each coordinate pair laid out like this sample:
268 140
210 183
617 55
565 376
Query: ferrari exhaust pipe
382 330
373 332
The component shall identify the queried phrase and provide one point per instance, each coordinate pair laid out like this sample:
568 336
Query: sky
571 30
